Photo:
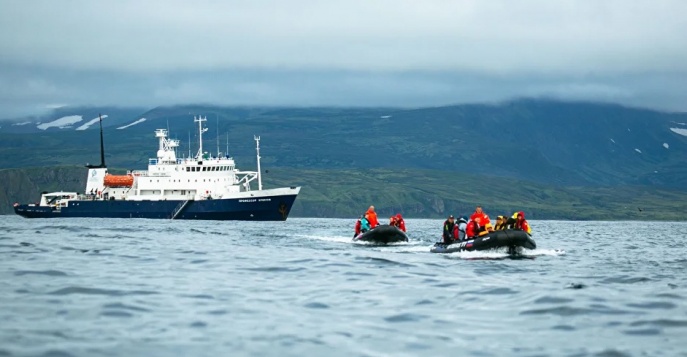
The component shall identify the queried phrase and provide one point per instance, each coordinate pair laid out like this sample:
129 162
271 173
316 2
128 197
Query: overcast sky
340 52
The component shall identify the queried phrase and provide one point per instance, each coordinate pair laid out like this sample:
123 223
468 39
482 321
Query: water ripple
95 291
573 311
40 272
653 305
661 323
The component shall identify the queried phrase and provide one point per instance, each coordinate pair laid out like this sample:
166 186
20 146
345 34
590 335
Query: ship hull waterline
266 208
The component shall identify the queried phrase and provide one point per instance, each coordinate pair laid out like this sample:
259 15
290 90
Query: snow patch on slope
139 121
22 123
679 131
64 122
89 123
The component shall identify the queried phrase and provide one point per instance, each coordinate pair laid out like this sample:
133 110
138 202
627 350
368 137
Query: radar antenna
201 130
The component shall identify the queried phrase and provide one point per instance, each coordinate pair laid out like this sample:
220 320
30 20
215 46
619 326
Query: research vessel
197 187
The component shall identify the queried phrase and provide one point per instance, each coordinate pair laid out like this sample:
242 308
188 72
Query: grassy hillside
427 193
415 193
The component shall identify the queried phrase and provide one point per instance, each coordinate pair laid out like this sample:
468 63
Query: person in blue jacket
364 224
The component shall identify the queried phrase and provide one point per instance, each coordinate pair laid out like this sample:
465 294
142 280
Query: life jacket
471 229
448 230
372 218
357 227
502 225
364 225
482 219
400 223
522 225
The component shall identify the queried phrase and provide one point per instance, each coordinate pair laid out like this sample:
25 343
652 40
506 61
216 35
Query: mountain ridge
551 142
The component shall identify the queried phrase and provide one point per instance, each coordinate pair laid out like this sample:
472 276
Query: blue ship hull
268 208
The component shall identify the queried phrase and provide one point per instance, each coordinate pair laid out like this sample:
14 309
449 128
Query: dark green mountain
557 143
555 159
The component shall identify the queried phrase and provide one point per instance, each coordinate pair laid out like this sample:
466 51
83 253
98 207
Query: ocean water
110 287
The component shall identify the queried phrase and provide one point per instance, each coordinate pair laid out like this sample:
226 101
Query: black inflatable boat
497 239
382 234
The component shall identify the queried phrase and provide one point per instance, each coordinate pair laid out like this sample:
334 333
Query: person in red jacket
372 217
482 220
399 222
357 226
522 224
471 230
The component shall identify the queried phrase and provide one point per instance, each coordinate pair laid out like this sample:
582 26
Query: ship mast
257 148
201 130
102 148
217 119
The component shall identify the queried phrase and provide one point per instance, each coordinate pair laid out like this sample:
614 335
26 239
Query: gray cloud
307 52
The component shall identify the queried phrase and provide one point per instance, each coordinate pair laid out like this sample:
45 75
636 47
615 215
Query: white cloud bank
495 36
341 52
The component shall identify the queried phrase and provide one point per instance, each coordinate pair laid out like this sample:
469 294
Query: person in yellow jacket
501 223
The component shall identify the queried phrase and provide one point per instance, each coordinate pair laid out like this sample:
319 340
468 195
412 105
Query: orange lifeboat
119 180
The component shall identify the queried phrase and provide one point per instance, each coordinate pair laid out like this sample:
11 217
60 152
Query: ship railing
152 161
248 177
138 172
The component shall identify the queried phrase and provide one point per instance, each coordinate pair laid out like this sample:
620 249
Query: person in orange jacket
482 220
372 217
521 223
